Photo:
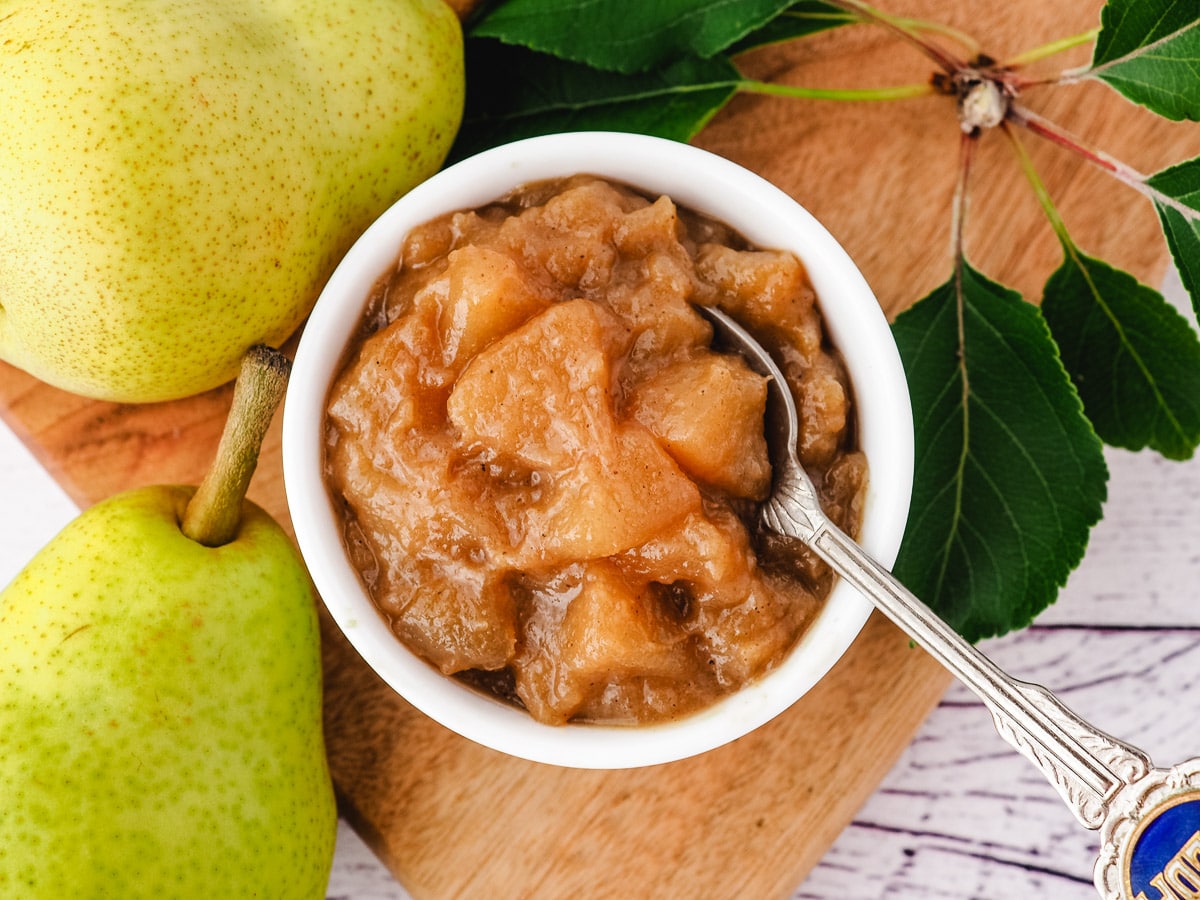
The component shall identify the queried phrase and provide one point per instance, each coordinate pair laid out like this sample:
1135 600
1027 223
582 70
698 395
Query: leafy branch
1012 400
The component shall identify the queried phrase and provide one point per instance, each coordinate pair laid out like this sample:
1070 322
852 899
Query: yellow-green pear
178 178
160 705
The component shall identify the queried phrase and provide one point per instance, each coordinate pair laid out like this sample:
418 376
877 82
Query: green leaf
1009 475
797 21
1176 194
539 94
628 36
1149 50
1134 359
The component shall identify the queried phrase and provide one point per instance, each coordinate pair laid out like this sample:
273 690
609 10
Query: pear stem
214 513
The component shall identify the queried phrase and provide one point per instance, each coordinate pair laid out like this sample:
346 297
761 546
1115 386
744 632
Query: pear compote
547 476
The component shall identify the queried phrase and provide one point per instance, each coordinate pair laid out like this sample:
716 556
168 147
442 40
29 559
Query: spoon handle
1085 765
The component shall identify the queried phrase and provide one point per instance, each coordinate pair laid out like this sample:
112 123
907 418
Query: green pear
160 709
178 178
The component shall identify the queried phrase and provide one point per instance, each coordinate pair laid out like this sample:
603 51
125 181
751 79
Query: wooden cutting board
452 819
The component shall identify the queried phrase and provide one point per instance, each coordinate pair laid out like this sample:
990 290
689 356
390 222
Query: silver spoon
1148 818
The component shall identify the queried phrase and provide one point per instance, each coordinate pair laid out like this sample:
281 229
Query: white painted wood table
960 816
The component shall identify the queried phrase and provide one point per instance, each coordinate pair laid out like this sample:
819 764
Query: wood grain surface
452 819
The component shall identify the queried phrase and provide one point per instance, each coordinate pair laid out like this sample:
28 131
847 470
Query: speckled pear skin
178 178
160 713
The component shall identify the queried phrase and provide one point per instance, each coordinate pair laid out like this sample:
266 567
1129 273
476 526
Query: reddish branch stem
966 156
1043 128
947 61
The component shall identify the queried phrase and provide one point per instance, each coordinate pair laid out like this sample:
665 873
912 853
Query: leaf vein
1138 52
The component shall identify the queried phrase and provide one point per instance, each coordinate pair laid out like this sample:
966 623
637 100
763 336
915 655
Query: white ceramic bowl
693 178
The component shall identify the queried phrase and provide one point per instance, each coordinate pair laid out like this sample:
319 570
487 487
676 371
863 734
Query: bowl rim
767 217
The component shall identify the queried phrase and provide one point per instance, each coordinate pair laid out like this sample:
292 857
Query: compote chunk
547 476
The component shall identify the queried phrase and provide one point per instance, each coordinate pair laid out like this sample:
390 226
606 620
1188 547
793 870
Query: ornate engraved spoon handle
1087 766
1149 818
